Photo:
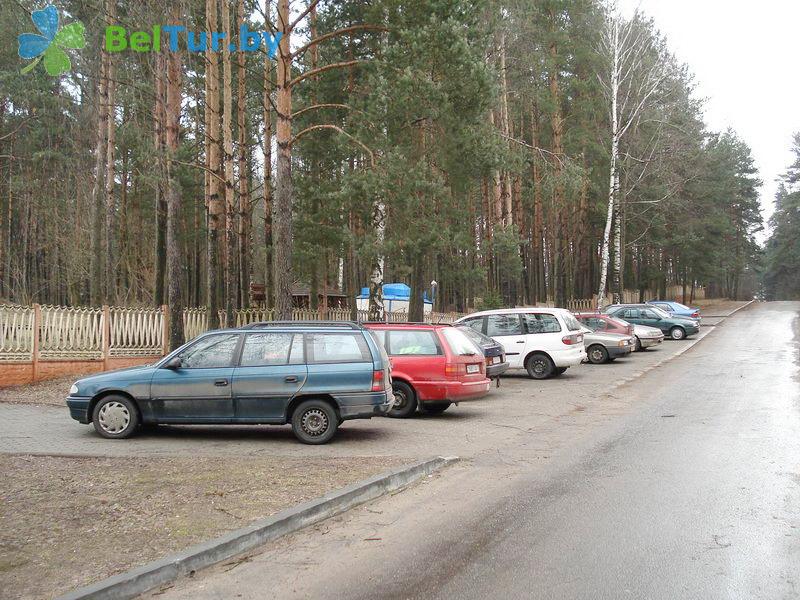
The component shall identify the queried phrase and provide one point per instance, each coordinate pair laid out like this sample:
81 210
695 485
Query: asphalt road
682 483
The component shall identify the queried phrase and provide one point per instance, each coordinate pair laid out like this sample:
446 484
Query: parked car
644 336
602 346
433 366
644 314
543 341
677 309
313 375
496 363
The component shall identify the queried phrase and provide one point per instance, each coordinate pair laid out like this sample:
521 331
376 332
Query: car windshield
476 336
459 343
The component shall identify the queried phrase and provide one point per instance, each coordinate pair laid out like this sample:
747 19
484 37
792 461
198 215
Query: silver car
646 336
603 347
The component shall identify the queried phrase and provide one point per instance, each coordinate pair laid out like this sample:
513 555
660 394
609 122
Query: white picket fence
80 333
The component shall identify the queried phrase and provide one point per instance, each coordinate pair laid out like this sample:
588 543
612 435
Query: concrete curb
149 576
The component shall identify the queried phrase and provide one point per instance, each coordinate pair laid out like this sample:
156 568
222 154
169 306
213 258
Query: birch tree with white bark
634 71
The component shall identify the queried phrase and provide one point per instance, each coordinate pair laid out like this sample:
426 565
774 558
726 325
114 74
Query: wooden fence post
106 336
164 329
37 325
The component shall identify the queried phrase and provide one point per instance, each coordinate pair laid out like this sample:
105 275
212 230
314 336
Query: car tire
539 366
597 354
434 408
314 422
115 417
405 400
638 345
677 333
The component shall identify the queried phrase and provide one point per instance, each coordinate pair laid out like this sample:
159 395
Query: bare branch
318 106
311 6
338 32
318 70
340 130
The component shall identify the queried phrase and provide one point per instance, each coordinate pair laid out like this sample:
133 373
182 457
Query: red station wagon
433 366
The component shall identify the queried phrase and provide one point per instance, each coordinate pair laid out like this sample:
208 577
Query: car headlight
73 390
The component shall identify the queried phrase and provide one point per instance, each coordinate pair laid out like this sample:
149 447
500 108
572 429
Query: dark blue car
313 375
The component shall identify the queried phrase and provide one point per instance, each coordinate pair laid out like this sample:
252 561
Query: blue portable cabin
396 297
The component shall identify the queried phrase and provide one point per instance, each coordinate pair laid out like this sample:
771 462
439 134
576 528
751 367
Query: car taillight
455 369
696 314
377 380
575 338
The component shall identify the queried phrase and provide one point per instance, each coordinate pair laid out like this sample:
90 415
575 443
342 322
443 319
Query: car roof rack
404 323
321 324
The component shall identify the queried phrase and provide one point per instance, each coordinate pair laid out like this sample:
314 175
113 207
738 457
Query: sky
744 55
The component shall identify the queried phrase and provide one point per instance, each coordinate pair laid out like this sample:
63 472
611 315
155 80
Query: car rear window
403 342
476 336
542 323
571 322
459 343
266 349
337 347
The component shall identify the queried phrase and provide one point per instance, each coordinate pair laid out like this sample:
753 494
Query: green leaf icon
71 36
56 61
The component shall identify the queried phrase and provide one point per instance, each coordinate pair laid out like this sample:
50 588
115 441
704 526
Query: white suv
543 341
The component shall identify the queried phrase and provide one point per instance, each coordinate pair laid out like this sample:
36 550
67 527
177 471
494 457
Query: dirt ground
66 522
53 392
717 306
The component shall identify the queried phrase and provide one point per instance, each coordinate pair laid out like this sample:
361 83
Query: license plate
496 360
473 368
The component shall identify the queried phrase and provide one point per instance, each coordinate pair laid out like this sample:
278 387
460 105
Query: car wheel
434 408
638 345
559 371
539 366
405 400
115 417
677 333
597 354
314 422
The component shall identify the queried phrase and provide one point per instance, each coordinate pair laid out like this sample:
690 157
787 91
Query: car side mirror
174 363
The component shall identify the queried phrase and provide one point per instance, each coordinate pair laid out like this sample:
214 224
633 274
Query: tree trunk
245 207
231 279
96 255
111 209
174 259
213 198
557 125
613 179
282 274
416 305
160 196
267 172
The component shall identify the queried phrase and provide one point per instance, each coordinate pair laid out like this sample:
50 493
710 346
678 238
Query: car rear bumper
617 351
79 408
496 370
367 406
569 357
452 391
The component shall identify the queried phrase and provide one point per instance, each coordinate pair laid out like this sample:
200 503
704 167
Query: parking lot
519 404
219 478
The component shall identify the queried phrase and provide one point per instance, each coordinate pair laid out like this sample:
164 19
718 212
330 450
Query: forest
513 151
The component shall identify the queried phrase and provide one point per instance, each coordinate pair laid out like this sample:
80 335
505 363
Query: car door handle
290 379
520 341
221 382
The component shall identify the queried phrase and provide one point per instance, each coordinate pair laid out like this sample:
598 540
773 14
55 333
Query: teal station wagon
313 375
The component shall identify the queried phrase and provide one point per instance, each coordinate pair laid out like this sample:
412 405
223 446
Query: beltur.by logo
48 45
176 37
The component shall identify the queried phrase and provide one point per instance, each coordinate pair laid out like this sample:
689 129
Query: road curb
733 312
142 579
